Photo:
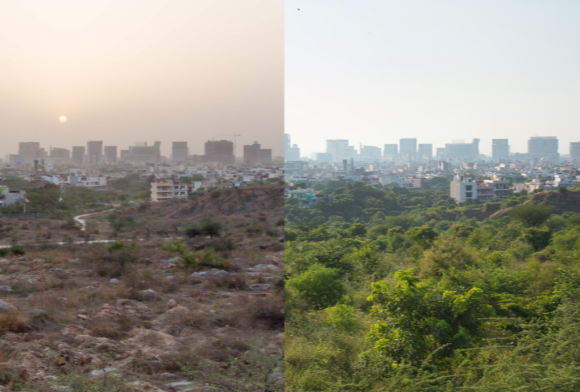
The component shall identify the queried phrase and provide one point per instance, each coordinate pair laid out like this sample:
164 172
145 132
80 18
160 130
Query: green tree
415 321
531 215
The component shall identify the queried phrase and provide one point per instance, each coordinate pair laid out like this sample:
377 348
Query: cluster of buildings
540 149
95 153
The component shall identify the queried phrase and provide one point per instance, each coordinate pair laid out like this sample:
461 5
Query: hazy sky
127 71
374 71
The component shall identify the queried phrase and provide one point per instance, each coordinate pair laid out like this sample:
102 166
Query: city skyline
179 71
435 71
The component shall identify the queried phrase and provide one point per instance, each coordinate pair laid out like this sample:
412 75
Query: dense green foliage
390 289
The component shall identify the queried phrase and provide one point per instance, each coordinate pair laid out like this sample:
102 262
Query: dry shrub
13 321
116 327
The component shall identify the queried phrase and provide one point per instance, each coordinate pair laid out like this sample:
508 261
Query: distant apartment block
500 149
390 152
111 155
338 148
29 150
543 148
291 151
142 153
60 155
162 189
179 152
463 188
461 151
575 152
78 155
371 152
425 152
220 151
254 154
408 149
15 159
95 152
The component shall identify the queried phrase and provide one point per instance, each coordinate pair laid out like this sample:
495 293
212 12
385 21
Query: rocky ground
135 318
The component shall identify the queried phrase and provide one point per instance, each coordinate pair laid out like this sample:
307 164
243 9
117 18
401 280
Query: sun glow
62 119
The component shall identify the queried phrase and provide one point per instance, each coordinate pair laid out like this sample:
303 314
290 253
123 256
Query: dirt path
82 221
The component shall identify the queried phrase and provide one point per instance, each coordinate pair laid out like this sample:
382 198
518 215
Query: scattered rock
101 372
171 304
114 281
211 272
62 299
6 289
277 377
50 378
6 307
264 268
142 386
260 286
88 288
23 259
148 293
180 386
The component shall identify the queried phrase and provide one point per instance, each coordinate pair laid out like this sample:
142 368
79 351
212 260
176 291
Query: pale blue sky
374 71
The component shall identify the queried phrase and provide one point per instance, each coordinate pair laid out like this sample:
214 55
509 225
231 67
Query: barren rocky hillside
145 317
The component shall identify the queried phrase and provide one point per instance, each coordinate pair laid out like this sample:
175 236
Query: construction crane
234 135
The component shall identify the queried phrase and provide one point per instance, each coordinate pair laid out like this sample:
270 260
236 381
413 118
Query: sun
62 119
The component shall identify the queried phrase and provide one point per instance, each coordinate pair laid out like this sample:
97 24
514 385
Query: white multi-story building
162 189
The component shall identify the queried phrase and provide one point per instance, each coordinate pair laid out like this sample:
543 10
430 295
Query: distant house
11 197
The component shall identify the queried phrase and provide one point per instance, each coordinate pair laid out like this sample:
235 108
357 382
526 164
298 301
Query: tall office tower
544 148
179 152
370 152
425 152
111 155
29 150
461 151
95 152
500 149
78 155
338 149
441 154
220 151
408 149
390 152
575 153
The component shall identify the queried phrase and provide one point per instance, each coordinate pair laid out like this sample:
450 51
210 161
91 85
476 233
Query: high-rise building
111 155
292 154
390 152
220 151
179 152
370 152
142 153
78 155
95 152
425 152
253 154
61 155
408 149
29 150
461 151
338 149
575 152
544 148
500 149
